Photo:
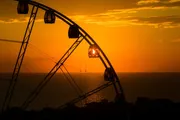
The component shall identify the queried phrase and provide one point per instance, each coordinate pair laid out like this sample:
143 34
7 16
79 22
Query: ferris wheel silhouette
74 32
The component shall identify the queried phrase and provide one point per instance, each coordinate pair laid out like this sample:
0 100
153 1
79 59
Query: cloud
155 3
144 12
145 2
120 17
20 20
129 17
160 21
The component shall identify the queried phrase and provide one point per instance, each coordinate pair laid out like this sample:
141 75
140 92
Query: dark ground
142 109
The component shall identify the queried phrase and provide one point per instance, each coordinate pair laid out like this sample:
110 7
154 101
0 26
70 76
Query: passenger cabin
23 7
93 51
108 75
49 17
73 31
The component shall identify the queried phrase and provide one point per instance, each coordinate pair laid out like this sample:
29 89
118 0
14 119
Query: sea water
59 90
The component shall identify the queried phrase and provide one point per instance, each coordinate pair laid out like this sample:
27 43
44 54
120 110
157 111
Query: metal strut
70 82
75 84
20 58
14 41
72 102
48 77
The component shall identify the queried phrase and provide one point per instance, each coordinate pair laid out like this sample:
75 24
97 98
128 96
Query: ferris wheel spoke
48 77
87 94
70 82
72 79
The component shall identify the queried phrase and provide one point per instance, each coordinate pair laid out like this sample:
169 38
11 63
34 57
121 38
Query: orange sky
136 36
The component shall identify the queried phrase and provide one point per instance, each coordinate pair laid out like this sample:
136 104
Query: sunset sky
136 35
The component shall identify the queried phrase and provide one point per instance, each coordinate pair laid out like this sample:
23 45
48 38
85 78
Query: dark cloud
159 19
106 20
70 7
164 3
8 10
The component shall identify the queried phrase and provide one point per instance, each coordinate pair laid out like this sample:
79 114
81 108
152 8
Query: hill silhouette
142 109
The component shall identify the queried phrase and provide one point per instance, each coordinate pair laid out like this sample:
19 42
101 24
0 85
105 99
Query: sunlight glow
93 52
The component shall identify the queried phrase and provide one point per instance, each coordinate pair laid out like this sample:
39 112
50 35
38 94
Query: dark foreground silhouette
142 109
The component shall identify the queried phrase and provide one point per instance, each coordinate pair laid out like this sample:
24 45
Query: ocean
59 91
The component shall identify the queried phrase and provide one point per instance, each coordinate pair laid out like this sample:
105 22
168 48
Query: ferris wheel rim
83 34
69 22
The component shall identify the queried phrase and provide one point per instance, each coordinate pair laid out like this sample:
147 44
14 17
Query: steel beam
20 58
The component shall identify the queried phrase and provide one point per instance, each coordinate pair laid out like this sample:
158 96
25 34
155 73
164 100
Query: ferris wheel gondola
73 31
23 7
49 17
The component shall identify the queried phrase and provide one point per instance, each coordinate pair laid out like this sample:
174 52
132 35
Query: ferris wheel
74 32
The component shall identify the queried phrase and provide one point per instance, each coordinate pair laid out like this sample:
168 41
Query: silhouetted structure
75 31
142 109
49 17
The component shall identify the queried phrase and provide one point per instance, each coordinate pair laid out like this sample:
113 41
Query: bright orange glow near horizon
135 36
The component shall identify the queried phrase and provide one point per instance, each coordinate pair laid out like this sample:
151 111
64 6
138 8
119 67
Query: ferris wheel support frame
20 58
116 82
